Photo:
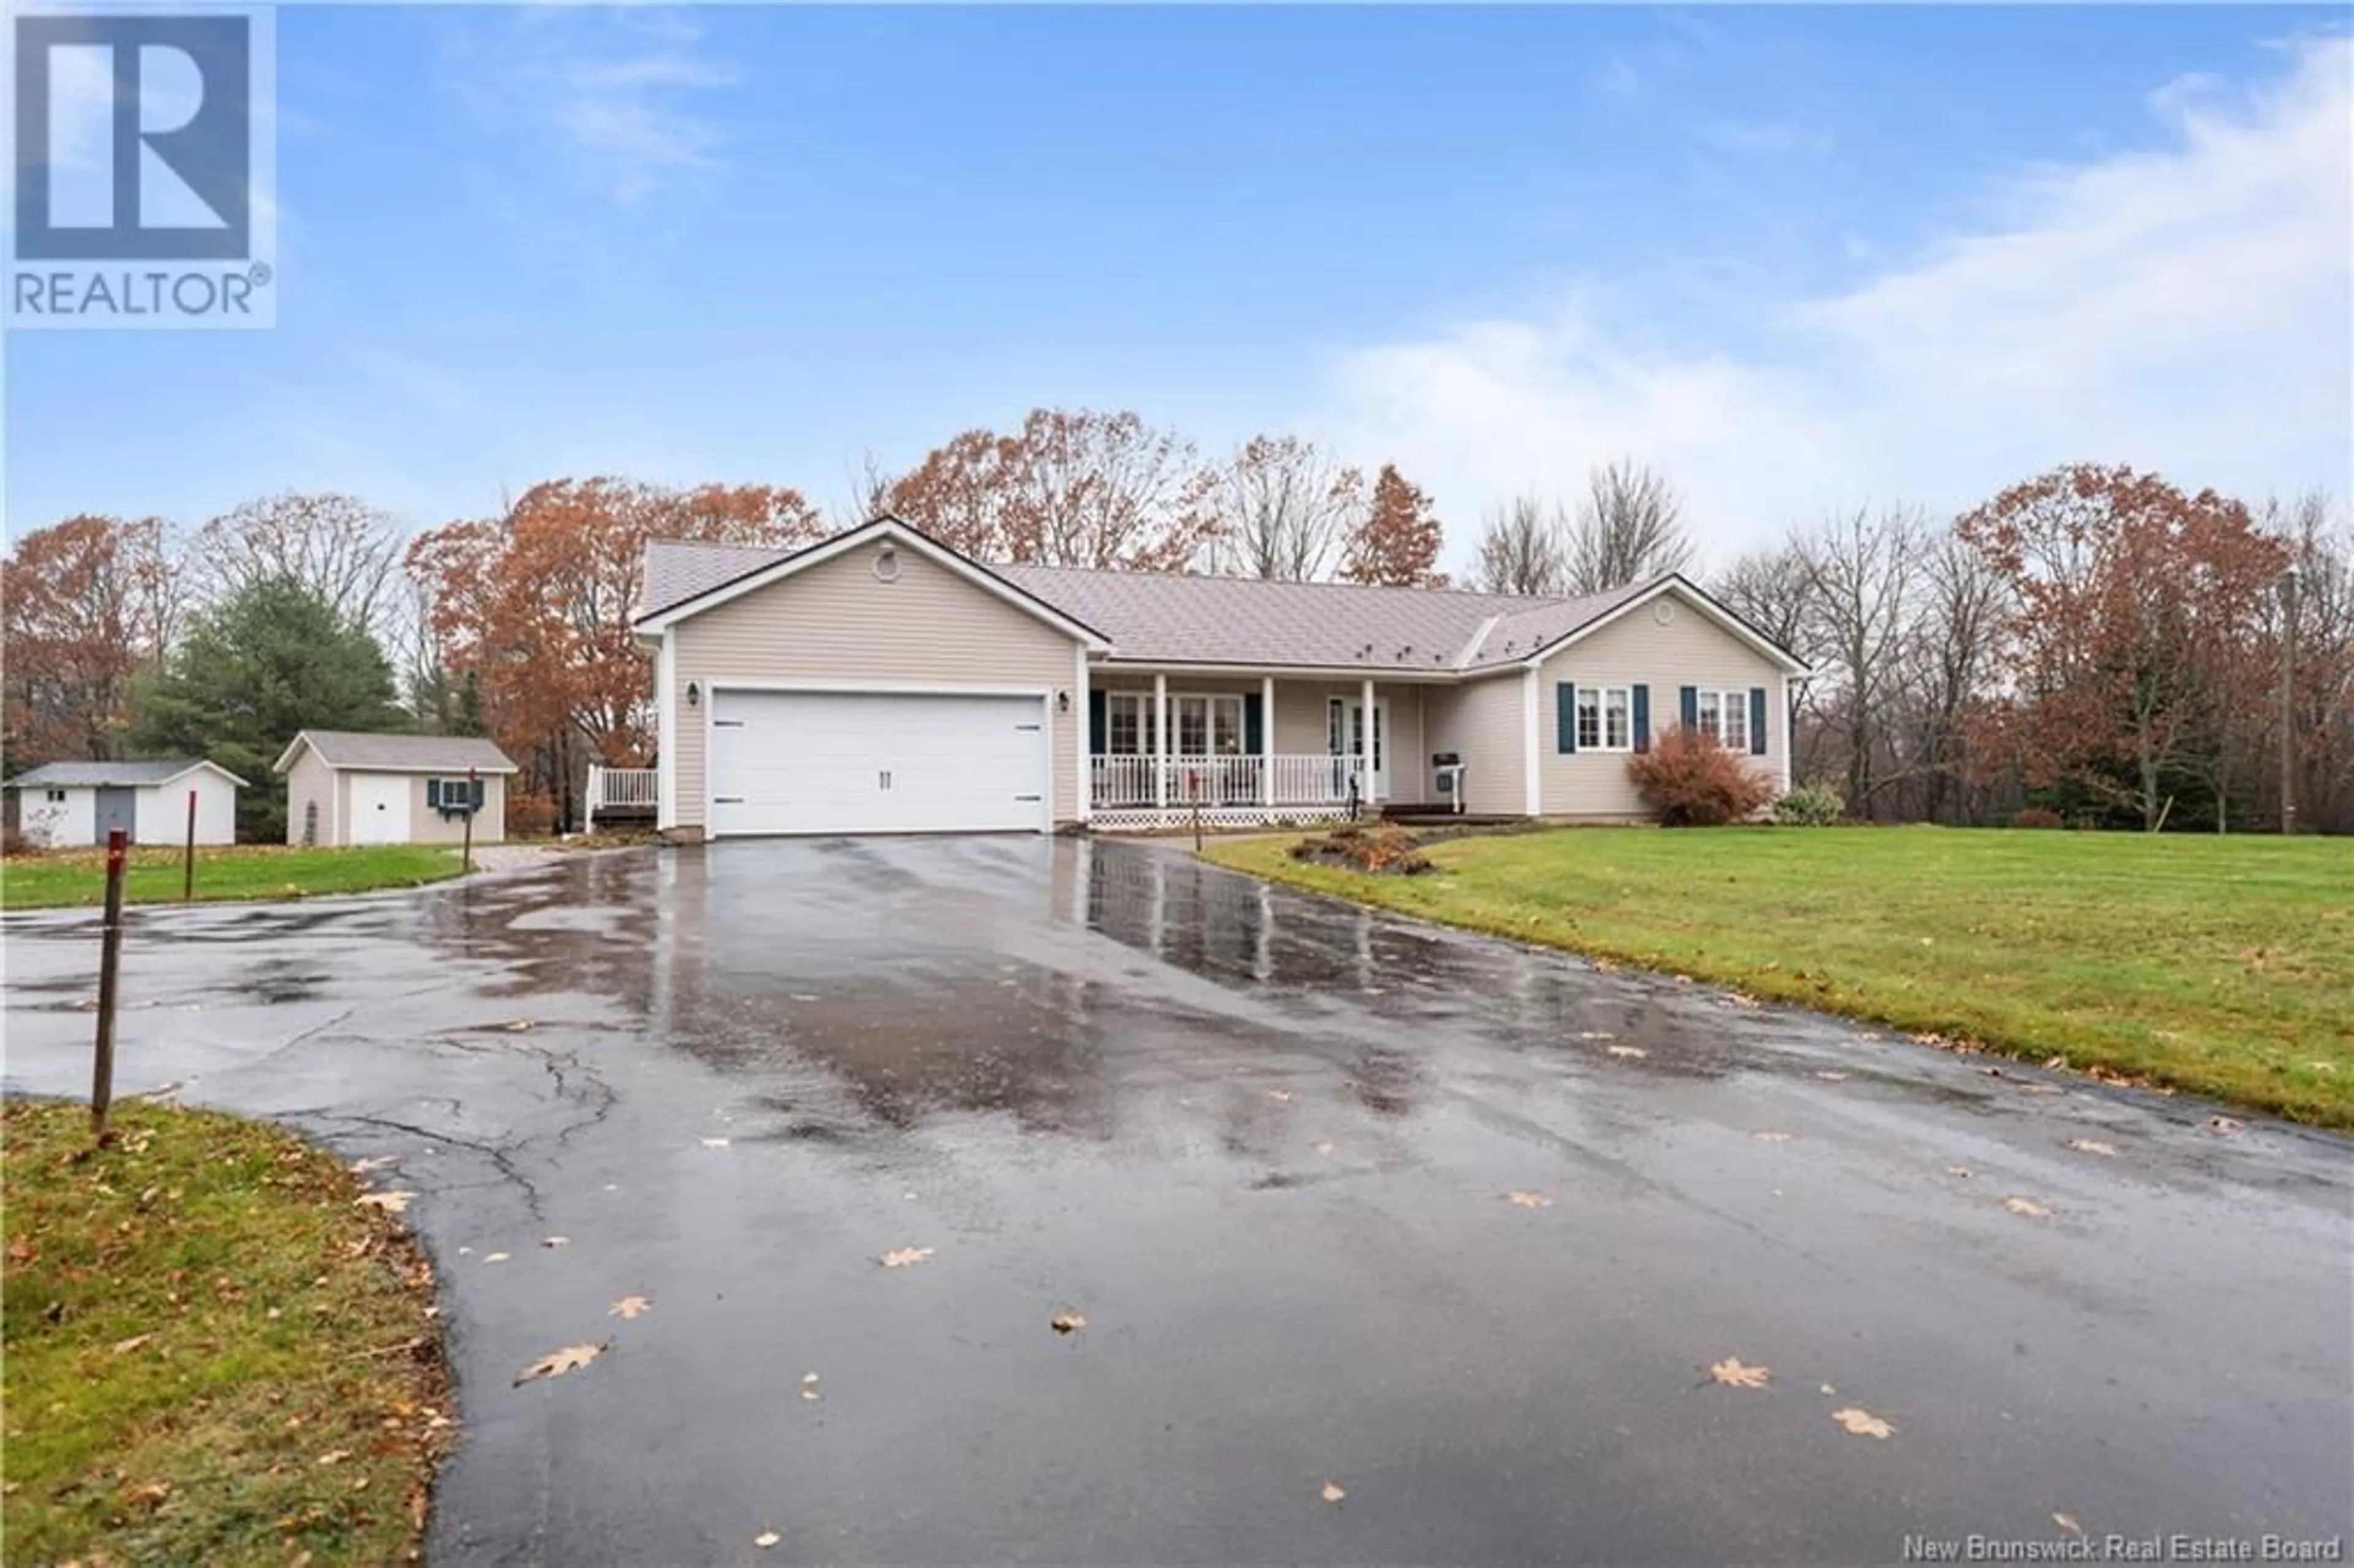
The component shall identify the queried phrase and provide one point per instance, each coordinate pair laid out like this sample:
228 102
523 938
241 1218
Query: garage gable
882 620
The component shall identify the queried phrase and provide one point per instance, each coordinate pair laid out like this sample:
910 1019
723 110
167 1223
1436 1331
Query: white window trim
1602 696
1210 700
1727 702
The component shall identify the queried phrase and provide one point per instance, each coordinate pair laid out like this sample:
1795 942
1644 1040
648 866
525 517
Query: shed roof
112 775
365 753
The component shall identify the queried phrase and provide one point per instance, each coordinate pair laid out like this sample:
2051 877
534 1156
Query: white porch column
1161 741
1366 760
1266 740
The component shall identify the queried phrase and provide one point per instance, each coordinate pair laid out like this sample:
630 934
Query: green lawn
246 871
2223 966
216 1354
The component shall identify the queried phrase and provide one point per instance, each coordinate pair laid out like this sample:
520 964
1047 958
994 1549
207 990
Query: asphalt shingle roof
407 753
1176 618
100 774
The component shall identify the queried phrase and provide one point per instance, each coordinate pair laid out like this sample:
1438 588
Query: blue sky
1797 258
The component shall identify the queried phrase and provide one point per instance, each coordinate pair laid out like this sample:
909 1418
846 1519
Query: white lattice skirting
1120 819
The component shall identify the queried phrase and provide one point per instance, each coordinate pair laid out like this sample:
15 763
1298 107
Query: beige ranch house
881 682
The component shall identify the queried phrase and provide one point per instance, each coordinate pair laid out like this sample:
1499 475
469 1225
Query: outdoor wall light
1063 702
694 694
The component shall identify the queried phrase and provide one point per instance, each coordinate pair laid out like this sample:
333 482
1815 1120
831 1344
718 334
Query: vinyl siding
71 823
837 625
1691 651
163 809
308 781
427 826
1480 720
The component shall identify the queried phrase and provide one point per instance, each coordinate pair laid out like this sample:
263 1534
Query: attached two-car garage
877 762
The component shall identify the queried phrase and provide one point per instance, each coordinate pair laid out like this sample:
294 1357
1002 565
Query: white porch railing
1231 787
621 791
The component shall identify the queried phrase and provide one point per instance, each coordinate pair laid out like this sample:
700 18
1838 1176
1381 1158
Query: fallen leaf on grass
390 1202
2028 1206
1731 1372
765 1539
2068 1523
1636 1052
901 1257
715 1143
1334 1491
2092 1145
555 1363
1863 1422
629 1306
334 1455
1528 1200
1067 1322
124 1347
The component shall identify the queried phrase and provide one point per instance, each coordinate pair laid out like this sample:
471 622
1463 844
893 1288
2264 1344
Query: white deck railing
1128 782
621 791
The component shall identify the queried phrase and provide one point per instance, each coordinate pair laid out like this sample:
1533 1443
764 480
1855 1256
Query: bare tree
870 492
1955 638
2319 537
1859 567
1520 549
1286 506
1771 590
337 546
1628 527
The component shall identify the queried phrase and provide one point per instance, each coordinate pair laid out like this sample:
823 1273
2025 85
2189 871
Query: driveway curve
1392 1244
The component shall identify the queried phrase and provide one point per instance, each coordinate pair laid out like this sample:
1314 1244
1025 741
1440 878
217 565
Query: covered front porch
1168 746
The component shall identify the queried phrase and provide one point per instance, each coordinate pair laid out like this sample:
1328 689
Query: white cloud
2185 309
622 92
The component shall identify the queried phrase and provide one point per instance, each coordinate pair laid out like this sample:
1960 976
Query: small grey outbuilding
346 788
66 805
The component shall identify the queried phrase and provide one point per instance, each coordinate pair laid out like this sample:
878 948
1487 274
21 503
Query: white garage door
876 762
379 808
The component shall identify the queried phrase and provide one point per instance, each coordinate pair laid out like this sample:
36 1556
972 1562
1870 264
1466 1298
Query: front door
117 808
1344 735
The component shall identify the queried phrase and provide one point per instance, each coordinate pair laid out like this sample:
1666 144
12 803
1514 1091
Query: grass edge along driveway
65 879
217 1353
2222 966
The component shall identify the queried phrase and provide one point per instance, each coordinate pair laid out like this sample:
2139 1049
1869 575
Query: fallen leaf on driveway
1731 1372
1323 1148
1067 1322
390 1202
1863 1422
1963 1170
555 1363
519 1027
765 1539
1773 1137
555 1241
1635 1051
1528 1200
715 1143
2067 1523
494 1257
2028 1206
803 996
629 1306
1334 1492
2092 1145
378 1162
1595 1034
2221 1124
1280 1097
1829 1077
902 1257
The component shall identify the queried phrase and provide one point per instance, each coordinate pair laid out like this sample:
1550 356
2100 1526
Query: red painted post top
115 839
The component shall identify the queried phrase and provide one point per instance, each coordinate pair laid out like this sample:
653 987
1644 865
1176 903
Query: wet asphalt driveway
1264 1144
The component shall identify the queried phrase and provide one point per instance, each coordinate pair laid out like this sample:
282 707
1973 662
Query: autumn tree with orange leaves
1397 542
1071 487
90 603
2136 634
535 606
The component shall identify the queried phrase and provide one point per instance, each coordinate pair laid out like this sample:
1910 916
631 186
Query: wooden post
188 854
109 952
473 784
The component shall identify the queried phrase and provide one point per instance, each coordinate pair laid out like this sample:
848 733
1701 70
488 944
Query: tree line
2091 643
